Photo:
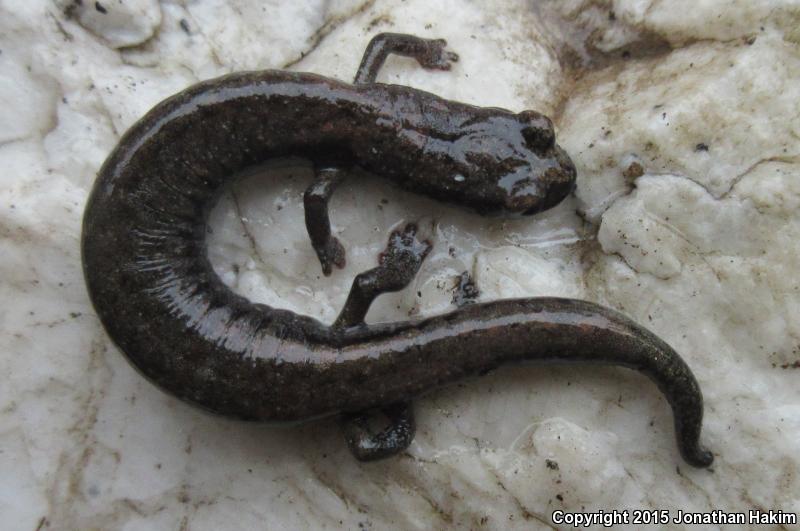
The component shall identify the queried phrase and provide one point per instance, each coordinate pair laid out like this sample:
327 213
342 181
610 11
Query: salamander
158 298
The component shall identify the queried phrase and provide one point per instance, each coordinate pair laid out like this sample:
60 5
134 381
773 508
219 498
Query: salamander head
547 175
508 163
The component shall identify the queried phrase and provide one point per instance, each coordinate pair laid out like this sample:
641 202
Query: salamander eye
537 130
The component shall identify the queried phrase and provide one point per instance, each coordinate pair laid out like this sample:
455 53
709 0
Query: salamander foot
398 265
393 439
402 258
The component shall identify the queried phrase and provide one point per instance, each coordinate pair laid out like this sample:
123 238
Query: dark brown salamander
155 292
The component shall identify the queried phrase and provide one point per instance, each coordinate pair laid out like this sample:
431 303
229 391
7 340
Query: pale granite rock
119 24
684 122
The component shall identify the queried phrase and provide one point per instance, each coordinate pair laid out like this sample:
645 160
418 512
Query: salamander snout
545 174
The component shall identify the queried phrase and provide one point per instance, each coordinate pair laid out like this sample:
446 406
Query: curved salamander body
156 294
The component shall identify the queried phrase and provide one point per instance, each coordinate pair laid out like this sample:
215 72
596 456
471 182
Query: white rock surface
119 24
684 121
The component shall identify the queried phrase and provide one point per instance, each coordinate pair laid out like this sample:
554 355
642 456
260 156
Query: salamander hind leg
366 445
429 53
315 202
398 265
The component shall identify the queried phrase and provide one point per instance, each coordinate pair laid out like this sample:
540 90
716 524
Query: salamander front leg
315 201
399 264
429 53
